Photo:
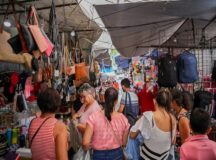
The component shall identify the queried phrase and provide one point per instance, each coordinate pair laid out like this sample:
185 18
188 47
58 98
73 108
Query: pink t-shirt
85 114
198 147
103 136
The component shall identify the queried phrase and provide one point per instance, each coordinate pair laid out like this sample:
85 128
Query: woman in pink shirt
107 130
90 105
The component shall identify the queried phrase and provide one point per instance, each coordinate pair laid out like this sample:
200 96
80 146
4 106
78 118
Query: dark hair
187 100
126 82
177 97
43 86
111 95
200 121
164 98
49 101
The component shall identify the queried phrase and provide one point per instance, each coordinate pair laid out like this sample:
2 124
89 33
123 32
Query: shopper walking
129 104
48 137
107 130
157 128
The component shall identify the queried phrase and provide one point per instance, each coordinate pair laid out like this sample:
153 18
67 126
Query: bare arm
125 137
81 127
61 141
87 137
184 129
133 135
121 108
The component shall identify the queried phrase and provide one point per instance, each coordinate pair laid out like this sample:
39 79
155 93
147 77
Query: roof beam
42 8
23 1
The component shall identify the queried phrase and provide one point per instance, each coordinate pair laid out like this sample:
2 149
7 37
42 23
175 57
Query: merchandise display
81 80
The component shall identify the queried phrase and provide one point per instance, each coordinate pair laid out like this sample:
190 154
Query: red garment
14 80
116 85
146 99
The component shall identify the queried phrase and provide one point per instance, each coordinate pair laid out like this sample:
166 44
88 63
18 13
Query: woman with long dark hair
157 128
107 130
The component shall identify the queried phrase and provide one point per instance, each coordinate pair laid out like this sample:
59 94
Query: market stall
43 44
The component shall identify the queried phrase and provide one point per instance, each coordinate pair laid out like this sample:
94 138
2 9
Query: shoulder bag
125 156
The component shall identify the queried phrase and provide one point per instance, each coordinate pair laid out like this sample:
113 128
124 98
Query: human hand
76 116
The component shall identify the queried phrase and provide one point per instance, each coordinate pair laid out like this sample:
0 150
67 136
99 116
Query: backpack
155 54
187 68
167 73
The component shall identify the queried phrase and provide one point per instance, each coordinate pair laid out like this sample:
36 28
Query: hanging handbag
50 45
14 41
30 42
15 44
19 39
36 31
75 136
81 70
21 102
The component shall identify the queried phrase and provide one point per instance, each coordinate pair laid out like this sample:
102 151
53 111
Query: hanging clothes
146 97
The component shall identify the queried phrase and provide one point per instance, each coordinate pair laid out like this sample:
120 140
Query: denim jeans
113 154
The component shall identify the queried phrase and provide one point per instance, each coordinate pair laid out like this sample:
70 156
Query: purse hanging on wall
17 42
36 31
70 67
81 70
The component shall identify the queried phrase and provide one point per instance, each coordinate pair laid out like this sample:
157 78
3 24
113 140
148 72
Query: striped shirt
131 103
43 145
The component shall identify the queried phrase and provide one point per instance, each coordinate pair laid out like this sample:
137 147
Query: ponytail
111 96
108 110
164 98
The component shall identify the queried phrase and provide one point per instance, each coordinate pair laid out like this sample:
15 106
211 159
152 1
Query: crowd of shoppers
171 121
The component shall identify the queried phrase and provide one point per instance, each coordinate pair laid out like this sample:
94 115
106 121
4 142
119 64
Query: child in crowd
198 146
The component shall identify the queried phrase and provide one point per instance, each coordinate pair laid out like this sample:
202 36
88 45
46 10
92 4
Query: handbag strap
124 111
116 137
6 14
38 130
17 22
171 132
32 16
127 96
11 3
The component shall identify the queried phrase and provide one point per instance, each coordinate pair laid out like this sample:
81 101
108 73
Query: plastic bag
132 147
82 155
